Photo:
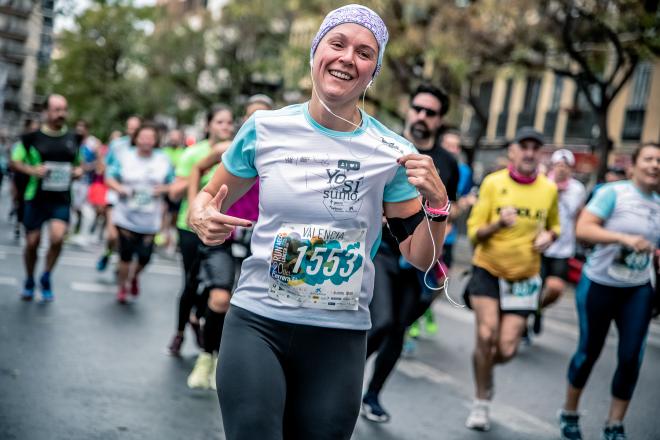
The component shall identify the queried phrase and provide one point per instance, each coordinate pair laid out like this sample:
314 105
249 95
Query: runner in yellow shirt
515 219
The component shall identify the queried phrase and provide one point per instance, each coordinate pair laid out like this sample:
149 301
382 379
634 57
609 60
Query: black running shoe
614 432
371 409
569 426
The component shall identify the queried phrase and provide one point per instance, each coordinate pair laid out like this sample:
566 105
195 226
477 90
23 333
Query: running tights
630 309
189 243
278 380
396 304
213 324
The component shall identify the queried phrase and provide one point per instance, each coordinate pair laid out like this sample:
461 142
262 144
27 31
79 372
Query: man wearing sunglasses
399 297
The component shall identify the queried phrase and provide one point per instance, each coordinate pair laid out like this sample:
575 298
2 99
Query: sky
81 5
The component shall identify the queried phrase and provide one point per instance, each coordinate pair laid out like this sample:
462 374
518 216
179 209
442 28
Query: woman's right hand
636 242
213 227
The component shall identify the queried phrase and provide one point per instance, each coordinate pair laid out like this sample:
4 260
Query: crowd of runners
312 238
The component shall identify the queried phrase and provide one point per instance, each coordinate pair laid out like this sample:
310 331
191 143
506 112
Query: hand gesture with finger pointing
213 227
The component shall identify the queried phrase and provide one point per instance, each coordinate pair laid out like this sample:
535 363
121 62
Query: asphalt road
85 367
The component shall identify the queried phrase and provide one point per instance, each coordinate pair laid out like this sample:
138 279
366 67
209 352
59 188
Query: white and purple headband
357 14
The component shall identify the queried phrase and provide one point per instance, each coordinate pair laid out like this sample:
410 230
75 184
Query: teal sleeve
114 170
170 175
399 189
603 202
239 158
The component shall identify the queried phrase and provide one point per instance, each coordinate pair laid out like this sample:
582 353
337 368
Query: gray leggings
278 380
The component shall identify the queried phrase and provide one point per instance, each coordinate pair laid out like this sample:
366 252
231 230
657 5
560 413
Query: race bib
520 295
630 266
317 267
58 177
143 200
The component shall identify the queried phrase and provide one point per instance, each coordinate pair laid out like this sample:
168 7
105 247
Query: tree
599 44
97 68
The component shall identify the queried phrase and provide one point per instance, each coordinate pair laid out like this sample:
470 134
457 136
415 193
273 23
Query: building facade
555 107
26 42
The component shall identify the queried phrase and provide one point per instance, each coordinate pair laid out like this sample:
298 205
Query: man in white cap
554 262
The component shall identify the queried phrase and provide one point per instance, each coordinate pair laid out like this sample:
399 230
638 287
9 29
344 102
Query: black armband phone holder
402 228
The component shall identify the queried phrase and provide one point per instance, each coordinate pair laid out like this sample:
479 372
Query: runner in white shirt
140 176
554 261
292 355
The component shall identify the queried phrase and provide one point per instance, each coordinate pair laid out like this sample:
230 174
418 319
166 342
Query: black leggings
278 380
597 306
189 244
397 303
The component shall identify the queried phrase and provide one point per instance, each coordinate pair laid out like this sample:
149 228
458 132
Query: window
634 117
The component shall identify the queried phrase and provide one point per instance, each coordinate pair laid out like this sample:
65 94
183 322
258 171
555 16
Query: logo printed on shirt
341 187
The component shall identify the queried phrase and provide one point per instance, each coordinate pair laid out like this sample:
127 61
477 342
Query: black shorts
216 267
554 267
38 212
483 283
133 244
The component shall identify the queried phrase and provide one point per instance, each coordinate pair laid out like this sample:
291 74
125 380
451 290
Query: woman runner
141 176
623 221
293 350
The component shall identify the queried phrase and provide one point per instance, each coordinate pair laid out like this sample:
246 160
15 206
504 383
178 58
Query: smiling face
646 169
344 63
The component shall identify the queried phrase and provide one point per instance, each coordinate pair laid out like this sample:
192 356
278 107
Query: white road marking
9 281
92 287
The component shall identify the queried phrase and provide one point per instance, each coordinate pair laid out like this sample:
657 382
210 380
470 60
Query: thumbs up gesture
213 227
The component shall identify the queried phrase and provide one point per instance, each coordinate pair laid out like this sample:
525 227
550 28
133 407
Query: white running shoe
212 376
199 377
478 418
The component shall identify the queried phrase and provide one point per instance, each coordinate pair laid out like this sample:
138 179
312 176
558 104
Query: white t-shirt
623 208
571 200
320 209
140 212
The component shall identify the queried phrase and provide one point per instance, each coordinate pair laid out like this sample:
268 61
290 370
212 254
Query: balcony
18 8
633 124
13 28
12 51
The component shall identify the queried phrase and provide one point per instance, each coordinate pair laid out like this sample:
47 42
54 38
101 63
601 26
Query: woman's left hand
422 173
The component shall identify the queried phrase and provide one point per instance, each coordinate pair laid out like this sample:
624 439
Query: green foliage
121 59
97 69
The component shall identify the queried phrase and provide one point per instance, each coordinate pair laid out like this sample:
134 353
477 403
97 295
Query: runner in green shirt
220 127
50 156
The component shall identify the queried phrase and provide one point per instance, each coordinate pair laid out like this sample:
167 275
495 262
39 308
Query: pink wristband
435 211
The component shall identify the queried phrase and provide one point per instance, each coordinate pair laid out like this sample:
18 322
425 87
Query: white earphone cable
435 260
